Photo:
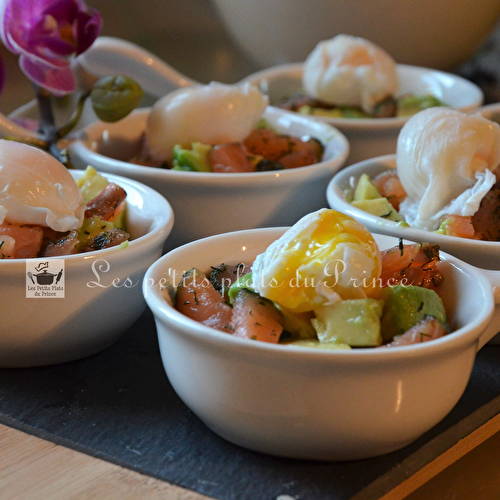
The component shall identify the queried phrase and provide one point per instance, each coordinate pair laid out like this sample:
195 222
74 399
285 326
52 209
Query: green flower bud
114 97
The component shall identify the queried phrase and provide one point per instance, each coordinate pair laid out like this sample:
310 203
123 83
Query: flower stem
46 126
75 117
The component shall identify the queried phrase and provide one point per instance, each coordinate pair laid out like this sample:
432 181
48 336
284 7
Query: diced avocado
243 283
354 322
405 306
263 123
298 324
337 112
316 344
331 113
443 226
91 183
91 227
192 160
349 112
378 206
410 105
365 189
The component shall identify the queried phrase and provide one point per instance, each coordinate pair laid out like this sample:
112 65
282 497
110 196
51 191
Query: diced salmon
387 108
230 157
390 187
106 239
28 239
264 142
197 298
65 245
412 264
274 146
459 225
486 221
256 318
108 203
224 275
301 158
427 329
299 99
7 247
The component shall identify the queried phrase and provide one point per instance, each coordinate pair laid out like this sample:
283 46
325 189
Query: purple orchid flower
47 34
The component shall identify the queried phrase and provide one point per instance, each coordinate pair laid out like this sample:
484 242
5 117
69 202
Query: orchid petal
87 30
47 34
2 75
57 80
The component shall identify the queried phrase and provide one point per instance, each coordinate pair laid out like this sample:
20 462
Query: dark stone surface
119 406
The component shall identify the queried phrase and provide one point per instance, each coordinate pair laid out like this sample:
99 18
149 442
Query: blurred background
204 39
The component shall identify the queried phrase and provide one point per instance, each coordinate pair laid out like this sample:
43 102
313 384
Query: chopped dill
195 297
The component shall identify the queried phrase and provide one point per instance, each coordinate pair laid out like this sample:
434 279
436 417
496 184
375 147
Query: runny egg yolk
325 257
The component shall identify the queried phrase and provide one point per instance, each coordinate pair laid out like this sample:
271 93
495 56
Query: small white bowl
312 404
484 254
210 203
370 137
102 290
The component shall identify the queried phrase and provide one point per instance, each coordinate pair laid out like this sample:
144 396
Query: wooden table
42 455
31 467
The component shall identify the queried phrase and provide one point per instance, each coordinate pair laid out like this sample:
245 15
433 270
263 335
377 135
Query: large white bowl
432 33
370 137
305 403
484 254
102 290
210 203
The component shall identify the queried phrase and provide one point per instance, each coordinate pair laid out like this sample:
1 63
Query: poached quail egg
35 188
350 71
446 161
324 258
211 114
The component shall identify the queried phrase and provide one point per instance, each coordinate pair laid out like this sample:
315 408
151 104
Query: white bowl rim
411 233
372 123
488 109
165 312
148 239
80 148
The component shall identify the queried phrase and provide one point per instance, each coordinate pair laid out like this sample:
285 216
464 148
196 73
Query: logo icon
44 278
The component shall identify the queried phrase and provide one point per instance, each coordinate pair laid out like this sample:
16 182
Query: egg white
35 188
210 114
350 71
446 161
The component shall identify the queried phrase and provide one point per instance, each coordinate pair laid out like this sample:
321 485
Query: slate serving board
119 406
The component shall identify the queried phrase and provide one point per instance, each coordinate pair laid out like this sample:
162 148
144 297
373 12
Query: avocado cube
405 306
380 207
298 324
192 160
410 105
365 189
355 322
242 283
